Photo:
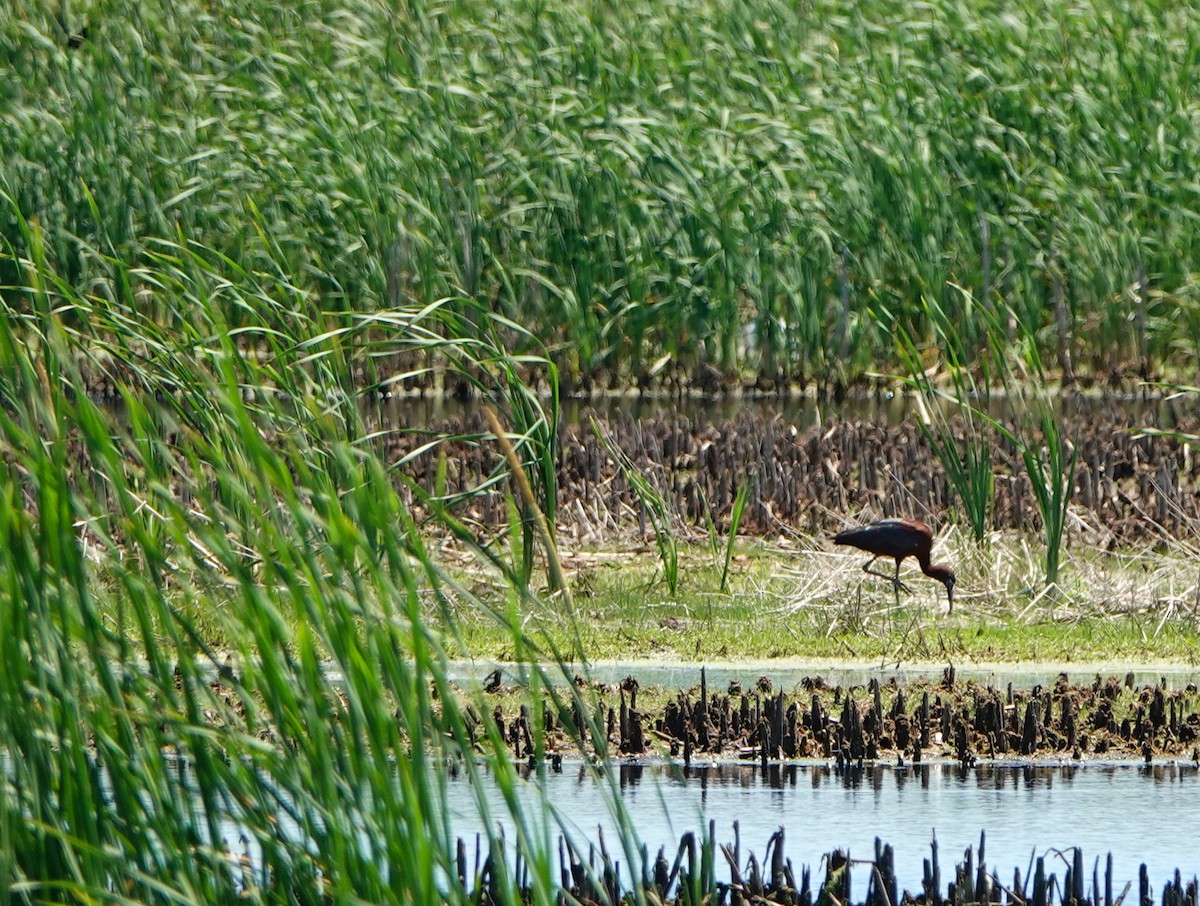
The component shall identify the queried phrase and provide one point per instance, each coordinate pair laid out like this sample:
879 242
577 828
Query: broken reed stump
958 720
691 877
1129 486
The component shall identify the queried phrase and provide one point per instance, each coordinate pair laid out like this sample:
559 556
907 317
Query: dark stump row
1107 718
691 878
1128 486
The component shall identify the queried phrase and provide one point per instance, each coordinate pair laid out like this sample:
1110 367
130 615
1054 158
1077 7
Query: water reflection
1117 808
791 676
775 776
801 411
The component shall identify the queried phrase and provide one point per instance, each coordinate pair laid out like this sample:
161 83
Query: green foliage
1033 427
240 221
963 449
735 521
723 553
653 505
240 489
1048 455
742 186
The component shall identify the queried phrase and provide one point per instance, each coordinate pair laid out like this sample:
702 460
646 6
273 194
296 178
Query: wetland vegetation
227 233
762 193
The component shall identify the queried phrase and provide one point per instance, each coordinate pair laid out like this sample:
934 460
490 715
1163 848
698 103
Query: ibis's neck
930 569
926 566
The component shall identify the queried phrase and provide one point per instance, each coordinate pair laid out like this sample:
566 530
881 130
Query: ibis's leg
875 572
895 580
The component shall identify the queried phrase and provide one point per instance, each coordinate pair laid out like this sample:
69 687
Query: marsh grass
1049 456
1035 429
243 489
238 222
653 504
964 450
735 521
722 550
808 601
727 190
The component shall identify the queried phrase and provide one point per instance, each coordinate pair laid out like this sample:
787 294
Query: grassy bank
808 600
728 191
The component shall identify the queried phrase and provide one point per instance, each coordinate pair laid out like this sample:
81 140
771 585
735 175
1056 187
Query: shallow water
1138 813
790 675
802 410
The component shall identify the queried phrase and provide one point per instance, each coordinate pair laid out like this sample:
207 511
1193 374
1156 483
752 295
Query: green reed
963 447
722 553
654 506
727 189
1033 427
231 499
1048 454
735 521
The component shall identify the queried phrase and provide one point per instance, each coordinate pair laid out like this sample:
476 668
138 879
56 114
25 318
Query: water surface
790 674
1138 813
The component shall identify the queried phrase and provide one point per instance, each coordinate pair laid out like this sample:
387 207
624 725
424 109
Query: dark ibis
898 538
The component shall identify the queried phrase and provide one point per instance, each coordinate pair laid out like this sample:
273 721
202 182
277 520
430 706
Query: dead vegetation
1130 487
1108 718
